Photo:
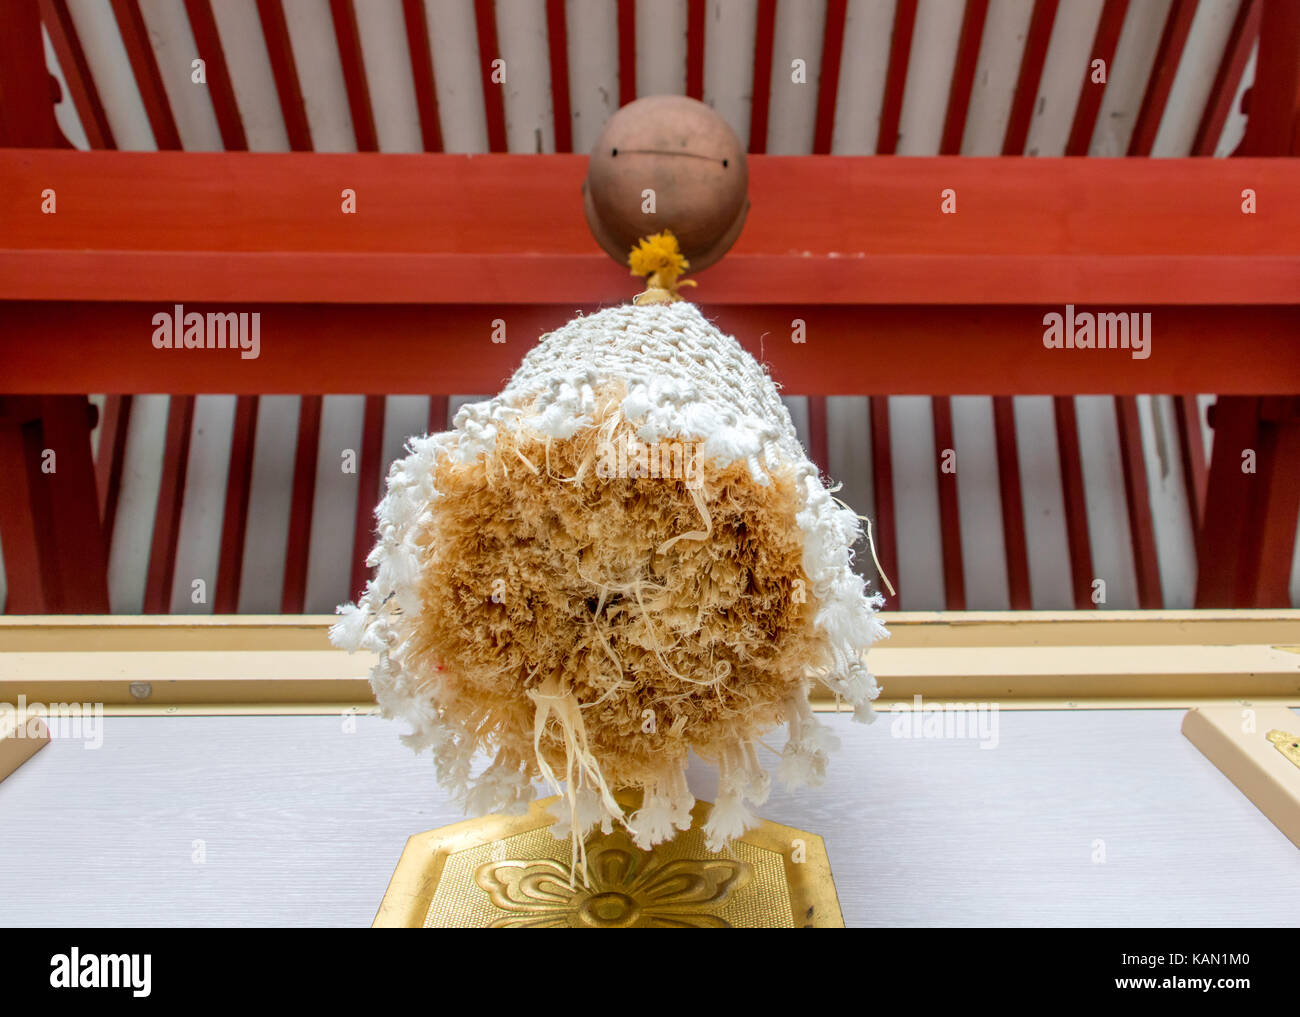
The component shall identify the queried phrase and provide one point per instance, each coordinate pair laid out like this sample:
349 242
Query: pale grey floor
302 824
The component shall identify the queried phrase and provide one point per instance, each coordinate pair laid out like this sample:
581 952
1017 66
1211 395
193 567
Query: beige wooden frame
1018 660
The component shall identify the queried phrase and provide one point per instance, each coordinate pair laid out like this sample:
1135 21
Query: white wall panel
453 40
251 78
522 36
174 49
111 70
729 30
592 30
386 53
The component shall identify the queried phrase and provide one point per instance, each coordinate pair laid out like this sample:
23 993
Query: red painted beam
1101 283
135 37
76 71
900 52
348 38
220 87
276 32
557 41
426 90
261 227
764 41
935 350
494 92
1031 73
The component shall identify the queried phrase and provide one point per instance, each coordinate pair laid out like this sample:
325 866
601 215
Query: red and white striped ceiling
912 77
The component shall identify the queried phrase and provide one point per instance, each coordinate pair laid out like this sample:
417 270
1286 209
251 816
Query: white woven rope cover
676 377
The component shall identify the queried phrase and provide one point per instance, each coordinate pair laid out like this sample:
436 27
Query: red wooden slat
828 84
818 443
1169 53
135 36
1013 509
47 527
1137 495
695 48
1031 73
239 486
27 88
1278 503
1273 110
426 91
494 98
764 41
294 594
1076 506
627 51
78 557
167 517
353 60
900 52
1187 413
220 89
963 77
884 531
557 40
1223 540
438 414
1236 54
954 575
19 515
111 458
1103 48
76 71
280 50
369 474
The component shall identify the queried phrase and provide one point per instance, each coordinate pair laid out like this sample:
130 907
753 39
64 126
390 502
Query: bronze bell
667 162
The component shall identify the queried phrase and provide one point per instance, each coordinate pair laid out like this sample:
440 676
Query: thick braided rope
683 379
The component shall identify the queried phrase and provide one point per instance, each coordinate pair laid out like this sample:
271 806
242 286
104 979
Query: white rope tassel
676 377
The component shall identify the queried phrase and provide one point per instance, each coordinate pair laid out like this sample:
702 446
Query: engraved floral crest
627 888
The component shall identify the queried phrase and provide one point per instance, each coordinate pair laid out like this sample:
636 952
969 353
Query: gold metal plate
509 871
